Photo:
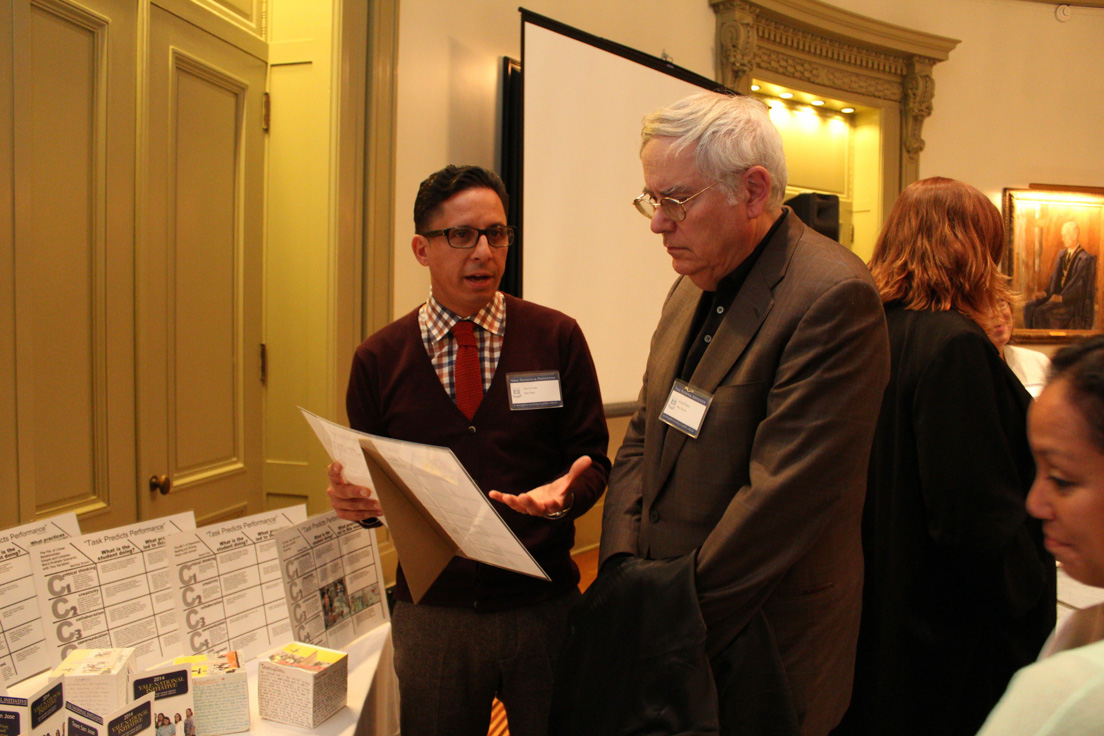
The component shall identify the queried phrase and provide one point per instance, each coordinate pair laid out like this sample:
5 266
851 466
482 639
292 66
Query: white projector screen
586 250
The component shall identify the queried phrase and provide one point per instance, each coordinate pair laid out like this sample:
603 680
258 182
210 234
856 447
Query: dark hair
1082 367
442 185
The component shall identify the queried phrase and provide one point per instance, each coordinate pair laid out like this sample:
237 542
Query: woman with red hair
959 591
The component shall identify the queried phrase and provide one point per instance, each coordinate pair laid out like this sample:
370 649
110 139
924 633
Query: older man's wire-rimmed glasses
675 209
498 236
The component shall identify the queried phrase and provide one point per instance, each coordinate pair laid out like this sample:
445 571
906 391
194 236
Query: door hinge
264 364
266 114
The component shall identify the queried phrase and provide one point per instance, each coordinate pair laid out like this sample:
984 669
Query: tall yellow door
132 186
199 276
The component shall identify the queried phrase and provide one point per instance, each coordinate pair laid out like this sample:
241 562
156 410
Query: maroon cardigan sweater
394 392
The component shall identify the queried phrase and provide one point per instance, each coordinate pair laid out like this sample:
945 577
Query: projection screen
586 250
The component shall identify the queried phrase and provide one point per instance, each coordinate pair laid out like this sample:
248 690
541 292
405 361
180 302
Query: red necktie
467 373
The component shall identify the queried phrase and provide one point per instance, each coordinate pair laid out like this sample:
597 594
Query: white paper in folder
435 511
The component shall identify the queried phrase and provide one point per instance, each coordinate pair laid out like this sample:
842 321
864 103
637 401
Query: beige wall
1020 100
448 76
1014 103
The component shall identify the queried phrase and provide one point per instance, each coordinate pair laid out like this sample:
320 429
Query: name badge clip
534 390
686 408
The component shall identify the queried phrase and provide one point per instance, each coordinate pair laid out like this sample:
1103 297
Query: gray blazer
771 492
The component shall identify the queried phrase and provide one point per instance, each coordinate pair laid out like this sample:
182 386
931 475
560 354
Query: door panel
200 264
73 174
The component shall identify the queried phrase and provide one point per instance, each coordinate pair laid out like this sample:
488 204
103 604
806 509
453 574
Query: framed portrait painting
1054 244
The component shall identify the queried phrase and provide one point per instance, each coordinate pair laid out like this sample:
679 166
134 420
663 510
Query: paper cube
221 693
96 679
302 685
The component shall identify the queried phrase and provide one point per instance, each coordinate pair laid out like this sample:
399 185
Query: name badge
685 408
534 390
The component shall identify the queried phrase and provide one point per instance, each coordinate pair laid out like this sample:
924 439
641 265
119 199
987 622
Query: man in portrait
1070 298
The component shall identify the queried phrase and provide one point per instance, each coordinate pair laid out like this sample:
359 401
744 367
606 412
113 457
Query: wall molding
808 42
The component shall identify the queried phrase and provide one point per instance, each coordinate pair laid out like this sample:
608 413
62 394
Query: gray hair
731 133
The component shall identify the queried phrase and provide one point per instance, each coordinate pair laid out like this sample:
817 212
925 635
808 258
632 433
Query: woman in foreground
1063 693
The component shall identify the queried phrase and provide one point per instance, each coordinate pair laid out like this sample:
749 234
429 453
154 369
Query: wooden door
199 276
68 405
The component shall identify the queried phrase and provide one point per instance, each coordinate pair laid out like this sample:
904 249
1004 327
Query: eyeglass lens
466 237
672 208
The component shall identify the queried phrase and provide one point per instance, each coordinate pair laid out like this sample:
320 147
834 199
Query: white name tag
685 408
534 390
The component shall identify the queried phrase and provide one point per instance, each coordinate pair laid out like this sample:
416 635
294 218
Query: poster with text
23 648
111 589
332 579
227 587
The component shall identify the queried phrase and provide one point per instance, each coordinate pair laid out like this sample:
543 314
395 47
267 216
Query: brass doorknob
160 483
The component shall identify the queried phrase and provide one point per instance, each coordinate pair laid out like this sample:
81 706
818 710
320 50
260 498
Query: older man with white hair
750 441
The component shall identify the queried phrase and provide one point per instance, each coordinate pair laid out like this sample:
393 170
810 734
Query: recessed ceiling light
755 88
786 95
848 109
818 103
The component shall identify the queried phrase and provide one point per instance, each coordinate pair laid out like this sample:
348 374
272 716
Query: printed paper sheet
227 588
441 485
111 589
23 648
332 580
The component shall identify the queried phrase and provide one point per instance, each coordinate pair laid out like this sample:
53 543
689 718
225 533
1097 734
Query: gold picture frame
1054 237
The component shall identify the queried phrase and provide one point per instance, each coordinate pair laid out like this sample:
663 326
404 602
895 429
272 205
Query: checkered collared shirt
435 322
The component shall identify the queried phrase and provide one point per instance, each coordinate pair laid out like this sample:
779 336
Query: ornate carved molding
811 41
919 93
821 47
808 70
737 43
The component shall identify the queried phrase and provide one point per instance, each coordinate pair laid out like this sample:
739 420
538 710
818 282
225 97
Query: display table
373 704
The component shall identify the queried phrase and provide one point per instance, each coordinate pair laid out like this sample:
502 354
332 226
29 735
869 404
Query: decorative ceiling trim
821 46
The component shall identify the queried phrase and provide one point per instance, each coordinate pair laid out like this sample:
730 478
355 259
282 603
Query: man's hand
549 498
351 502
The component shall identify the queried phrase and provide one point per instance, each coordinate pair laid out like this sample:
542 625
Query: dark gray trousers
452 663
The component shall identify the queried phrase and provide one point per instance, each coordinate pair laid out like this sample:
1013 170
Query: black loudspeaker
818 211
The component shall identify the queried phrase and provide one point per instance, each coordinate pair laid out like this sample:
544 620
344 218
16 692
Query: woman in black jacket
959 589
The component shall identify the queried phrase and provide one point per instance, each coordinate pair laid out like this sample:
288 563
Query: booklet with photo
41 714
171 687
332 580
136 718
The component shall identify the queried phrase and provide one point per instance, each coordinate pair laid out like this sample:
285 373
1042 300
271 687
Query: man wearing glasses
750 441
446 374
